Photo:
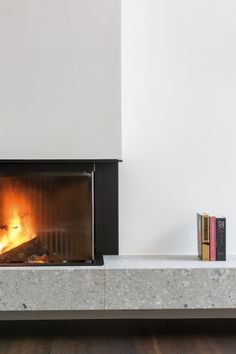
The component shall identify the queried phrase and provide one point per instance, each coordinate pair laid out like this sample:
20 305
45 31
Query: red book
212 238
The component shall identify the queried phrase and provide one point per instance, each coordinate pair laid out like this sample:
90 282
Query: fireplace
58 212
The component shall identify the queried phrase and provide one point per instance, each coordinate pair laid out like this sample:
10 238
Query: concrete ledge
51 288
149 283
124 283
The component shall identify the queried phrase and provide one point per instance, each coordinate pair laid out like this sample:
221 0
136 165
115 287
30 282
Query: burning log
3 227
30 252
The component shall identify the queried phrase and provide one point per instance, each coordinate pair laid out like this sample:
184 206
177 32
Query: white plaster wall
60 79
179 122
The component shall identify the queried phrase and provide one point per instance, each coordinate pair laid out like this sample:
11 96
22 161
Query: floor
119 337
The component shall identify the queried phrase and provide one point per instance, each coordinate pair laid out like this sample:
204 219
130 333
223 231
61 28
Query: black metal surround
105 192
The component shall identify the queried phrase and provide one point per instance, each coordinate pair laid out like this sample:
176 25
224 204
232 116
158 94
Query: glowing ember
17 222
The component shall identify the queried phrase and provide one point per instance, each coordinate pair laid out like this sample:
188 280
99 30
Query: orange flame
17 225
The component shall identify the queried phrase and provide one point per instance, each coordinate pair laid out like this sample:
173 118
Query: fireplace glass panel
46 218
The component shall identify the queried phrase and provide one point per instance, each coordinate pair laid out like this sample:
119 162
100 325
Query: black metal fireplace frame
106 221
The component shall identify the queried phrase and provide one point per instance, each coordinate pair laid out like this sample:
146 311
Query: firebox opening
47 218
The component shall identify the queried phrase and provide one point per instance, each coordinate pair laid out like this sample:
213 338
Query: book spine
212 238
205 238
220 239
199 234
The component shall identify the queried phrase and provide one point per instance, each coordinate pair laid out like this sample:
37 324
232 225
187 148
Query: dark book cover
220 239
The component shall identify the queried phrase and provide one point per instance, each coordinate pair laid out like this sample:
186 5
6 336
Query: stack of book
211 232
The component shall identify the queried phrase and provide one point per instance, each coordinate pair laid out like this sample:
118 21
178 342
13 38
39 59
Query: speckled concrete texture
123 283
51 289
169 282
170 289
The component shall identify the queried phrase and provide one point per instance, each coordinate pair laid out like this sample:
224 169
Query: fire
17 223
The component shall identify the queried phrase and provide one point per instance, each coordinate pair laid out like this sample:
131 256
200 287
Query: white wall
60 79
179 122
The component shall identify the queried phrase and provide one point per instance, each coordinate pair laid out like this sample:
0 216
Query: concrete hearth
123 283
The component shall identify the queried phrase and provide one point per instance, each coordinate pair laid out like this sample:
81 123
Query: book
205 238
212 238
220 238
199 234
